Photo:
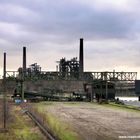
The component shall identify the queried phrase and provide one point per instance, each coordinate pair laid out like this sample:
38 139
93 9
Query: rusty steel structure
67 75
115 76
70 70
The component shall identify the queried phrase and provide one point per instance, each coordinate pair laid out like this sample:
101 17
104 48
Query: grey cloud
69 20
87 23
50 26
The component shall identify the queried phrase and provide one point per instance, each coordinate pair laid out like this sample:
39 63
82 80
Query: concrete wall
68 86
38 86
10 86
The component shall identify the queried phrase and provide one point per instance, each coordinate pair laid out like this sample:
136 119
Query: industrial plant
70 93
70 81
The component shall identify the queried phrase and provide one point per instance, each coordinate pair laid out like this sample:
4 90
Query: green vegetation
20 128
64 131
75 103
94 104
124 107
61 129
107 104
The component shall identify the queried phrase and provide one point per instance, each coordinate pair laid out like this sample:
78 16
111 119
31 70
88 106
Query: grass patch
19 128
45 103
124 107
92 104
109 104
62 130
22 130
73 103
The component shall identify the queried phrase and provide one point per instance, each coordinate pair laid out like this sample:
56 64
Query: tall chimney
24 60
81 55
4 67
4 96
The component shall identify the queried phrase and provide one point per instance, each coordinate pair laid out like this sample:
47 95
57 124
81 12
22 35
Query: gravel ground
97 122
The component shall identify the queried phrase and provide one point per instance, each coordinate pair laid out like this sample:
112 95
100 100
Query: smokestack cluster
24 60
81 57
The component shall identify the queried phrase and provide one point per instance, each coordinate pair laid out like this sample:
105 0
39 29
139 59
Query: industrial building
69 81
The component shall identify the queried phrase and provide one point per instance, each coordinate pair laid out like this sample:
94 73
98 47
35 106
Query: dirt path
96 122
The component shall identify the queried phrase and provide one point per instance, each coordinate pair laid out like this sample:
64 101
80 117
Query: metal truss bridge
105 76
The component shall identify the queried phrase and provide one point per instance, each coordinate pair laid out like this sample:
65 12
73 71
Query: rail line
44 129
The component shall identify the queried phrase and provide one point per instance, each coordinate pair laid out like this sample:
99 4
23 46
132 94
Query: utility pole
4 94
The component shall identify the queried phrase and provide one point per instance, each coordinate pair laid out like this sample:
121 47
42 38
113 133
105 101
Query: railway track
44 129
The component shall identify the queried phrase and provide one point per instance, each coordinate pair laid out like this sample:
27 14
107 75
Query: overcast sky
51 29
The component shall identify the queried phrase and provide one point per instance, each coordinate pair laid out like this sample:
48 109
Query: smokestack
4 96
81 55
4 67
24 60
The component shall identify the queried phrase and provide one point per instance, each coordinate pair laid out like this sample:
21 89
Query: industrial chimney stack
24 60
81 57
